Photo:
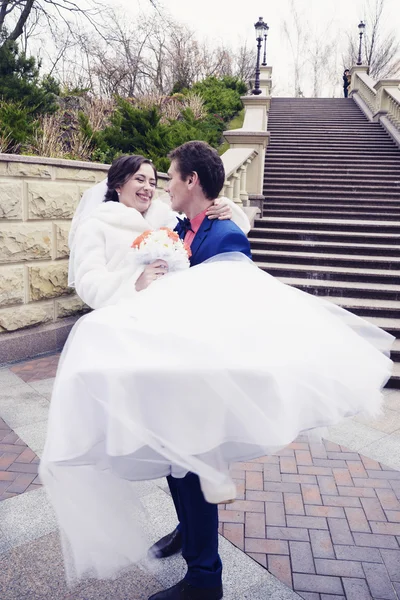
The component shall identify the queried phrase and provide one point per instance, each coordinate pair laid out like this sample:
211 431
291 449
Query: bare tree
381 48
16 16
296 33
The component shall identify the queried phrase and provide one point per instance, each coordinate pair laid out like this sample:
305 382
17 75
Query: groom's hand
220 210
151 273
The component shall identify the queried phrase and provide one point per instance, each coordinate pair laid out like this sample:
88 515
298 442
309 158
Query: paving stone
391 559
373 509
254 525
254 480
288 533
311 494
373 540
327 485
356 589
234 532
307 522
336 512
341 501
302 557
357 520
275 514
339 568
266 546
279 566
379 582
388 499
385 528
340 531
317 583
264 496
357 553
293 504
322 546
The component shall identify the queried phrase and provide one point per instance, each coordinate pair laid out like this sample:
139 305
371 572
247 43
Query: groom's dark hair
202 158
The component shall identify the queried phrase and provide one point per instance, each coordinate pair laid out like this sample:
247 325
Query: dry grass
60 136
171 107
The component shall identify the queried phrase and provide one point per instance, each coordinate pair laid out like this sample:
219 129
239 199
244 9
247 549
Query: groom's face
177 188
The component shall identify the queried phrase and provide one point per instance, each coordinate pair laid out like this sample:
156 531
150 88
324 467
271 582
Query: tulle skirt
215 364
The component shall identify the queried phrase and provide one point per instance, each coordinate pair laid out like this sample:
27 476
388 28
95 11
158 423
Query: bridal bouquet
162 244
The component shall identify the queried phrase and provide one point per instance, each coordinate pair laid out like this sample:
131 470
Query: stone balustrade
380 101
38 197
237 161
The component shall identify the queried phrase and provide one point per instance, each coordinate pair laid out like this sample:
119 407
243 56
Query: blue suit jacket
216 237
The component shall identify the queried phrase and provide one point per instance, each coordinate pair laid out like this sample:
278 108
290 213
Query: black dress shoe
167 546
184 591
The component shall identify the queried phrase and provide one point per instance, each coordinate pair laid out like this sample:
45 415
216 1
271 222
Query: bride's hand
151 273
220 210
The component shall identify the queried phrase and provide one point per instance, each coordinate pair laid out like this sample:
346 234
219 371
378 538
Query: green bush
16 123
140 131
20 82
221 96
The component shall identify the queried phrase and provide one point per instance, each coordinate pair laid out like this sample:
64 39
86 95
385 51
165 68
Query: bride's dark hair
121 170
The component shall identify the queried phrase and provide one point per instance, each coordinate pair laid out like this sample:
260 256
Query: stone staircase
331 223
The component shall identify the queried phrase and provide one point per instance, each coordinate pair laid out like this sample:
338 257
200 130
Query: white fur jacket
99 250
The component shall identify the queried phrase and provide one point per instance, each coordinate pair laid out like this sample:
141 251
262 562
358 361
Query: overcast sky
233 21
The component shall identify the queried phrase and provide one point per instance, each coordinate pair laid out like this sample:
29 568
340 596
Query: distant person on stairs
346 82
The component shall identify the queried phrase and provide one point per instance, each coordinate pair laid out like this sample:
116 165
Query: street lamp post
361 28
260 29
266 28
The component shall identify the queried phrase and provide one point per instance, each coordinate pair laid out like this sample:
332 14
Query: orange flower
171 234
188 250
140 239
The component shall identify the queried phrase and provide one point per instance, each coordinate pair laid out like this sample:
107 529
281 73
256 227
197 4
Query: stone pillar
253 135
266 80
353 71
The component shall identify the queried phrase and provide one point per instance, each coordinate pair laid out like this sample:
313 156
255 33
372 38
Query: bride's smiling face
139 190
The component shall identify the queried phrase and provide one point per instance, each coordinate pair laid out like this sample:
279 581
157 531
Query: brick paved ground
18 465
35 370
321 518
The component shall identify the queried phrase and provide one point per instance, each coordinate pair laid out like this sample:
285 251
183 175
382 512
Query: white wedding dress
207 366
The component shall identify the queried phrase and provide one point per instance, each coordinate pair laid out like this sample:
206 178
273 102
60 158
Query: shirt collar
197 220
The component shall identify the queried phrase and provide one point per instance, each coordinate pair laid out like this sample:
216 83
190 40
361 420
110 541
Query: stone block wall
38 197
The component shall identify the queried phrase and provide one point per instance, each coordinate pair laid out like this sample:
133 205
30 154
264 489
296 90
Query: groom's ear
193 179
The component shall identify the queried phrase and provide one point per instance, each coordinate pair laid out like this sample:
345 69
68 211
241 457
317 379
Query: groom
196 177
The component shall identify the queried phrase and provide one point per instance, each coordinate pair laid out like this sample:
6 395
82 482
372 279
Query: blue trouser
198 523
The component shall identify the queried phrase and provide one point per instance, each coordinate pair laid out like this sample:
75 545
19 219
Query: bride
185 371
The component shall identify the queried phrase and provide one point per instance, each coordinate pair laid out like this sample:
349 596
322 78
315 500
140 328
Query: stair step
325 258
368 307
340 274
334 213
370 205
299 200
310 234
319 287
353 248
332 224
390 325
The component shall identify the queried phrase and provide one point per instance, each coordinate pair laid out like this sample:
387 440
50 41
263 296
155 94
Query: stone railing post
244 197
